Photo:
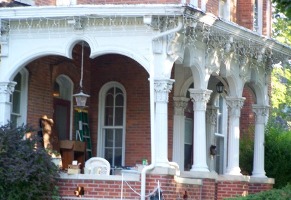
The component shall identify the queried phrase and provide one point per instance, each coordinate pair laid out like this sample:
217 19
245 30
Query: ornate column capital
180 103
261 112
162 89
199 98
7 87
235 104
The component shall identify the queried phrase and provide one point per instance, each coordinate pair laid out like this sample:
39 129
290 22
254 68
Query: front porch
152 78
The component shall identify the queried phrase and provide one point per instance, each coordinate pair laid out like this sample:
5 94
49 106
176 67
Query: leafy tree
277 154
281 28
284 6
281 95
26 171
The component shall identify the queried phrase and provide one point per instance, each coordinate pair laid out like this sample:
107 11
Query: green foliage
278 155
281 93
26 172
284 6
275 194
246 147
281 29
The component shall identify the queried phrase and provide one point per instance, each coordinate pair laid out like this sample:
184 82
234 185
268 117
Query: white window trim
22 117
102 94
226 9
223 133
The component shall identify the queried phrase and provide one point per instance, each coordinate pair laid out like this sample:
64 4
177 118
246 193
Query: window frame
221 131
101 118
22 115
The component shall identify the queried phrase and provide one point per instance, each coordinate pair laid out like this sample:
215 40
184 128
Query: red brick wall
265 17
231 189
245 13
45 2
209 190
213 7
247 119
258 187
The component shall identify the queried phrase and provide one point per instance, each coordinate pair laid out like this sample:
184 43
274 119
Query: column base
163 164
233 171
197 168
259 174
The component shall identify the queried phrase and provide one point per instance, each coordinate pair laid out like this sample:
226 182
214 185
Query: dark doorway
62 118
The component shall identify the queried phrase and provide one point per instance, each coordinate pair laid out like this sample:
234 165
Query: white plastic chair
97 165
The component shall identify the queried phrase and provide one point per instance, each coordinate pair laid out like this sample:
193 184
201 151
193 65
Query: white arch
122 51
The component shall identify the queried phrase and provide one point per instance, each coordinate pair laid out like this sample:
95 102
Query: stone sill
262 180
125 176
185 177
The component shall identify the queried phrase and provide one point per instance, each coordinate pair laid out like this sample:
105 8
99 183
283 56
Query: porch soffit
214 32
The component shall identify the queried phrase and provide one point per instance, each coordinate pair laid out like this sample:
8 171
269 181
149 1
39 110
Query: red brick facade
111 67
208 190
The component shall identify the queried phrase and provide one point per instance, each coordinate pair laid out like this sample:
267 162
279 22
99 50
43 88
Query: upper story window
224 9
257 16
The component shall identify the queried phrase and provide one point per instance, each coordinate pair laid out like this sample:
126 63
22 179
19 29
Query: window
220 135
256 19
257 16
19 99
112 102
224 11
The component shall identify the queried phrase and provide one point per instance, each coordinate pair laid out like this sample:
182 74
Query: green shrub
275 194
26 172
278 154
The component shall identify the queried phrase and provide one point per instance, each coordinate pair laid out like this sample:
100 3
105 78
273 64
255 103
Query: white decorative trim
199 98
162 89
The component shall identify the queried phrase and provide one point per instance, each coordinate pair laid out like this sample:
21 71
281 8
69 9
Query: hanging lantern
81 98
219 87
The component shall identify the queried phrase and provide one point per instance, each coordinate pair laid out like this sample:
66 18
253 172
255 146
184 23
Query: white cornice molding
87 10
248 35
175 10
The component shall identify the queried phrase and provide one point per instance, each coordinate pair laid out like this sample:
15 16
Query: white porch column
162 88
6 89
211 119
234 104
180 103
199 98
259 149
